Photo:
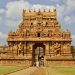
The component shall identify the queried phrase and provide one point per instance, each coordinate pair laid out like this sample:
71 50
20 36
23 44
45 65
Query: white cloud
42 7
14 9
2 35
65 14
60 11
55 0
12 24
1 20
70 5
2 11
69 20
73 37
12 16
13 12
3 38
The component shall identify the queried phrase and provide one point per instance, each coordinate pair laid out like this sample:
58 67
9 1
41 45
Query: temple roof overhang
39 39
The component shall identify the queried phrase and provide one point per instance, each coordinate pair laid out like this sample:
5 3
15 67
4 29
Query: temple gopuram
38 41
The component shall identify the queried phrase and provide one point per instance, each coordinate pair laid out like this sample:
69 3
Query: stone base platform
60 62
28 62
16 62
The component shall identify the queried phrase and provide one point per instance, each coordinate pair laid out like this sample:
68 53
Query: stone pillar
53 54
67 49
50 48
30 47
25 48
46 48
45 62
47 55
62 48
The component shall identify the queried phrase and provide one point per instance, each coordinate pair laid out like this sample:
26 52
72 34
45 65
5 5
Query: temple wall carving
39 37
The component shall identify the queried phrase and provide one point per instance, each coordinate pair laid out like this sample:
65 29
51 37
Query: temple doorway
38 54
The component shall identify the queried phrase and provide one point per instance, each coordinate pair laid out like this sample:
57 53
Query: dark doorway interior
38 54
38 34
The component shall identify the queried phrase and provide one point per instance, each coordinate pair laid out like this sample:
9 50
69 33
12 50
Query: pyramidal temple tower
39 40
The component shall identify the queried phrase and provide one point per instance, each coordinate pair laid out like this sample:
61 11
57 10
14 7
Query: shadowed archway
38 54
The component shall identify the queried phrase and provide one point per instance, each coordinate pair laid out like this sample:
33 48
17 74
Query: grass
9 69
66 70
62 70
56 70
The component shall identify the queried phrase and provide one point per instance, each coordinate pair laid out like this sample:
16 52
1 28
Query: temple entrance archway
38 54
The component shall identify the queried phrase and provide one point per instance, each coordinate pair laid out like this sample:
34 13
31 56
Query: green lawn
8 69
62 70
50 70
66 70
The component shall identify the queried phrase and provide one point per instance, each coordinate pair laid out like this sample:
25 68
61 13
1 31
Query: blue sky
11 14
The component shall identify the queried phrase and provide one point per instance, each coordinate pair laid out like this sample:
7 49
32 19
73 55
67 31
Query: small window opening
31 23
38 34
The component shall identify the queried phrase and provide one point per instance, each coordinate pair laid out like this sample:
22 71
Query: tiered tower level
39 26
39 38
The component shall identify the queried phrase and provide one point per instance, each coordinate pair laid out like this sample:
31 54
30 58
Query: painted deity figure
57 48
10 47
20 48
15 47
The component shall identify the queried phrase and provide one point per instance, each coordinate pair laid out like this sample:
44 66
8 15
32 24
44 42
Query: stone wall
60 63
28 63
17 62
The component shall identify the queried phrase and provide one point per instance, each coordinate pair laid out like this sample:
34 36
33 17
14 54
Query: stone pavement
28 71
37 71
40 71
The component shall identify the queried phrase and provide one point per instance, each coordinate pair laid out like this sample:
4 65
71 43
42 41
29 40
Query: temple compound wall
38 39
